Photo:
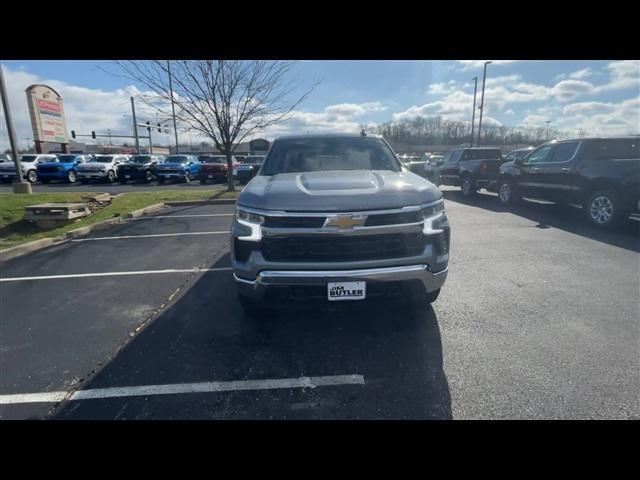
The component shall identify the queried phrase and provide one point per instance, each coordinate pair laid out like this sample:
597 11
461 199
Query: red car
214 168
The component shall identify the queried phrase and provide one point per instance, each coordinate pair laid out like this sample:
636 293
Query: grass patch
14 230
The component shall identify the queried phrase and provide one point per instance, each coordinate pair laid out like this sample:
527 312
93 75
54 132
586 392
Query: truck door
449 171
558 176
530 181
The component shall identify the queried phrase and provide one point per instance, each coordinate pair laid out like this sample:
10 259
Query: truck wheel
468 186
111 176
148 176
603 209
32 176
187 177
507 194
72 177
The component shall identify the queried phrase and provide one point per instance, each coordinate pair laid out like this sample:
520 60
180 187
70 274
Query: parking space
535 321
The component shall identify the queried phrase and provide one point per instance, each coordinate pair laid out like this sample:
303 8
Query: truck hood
338 190
161 166
10 165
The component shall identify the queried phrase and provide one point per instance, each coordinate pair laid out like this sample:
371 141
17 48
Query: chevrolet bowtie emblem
344 222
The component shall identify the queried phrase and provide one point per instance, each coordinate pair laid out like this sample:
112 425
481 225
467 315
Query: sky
600 97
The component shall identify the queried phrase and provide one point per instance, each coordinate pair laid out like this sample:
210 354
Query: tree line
440 131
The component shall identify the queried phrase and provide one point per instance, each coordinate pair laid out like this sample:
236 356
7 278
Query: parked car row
602 175
110 168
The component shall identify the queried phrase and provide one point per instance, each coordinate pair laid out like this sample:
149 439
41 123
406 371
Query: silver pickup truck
335 218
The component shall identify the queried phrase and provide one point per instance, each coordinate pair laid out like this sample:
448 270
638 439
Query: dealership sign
47 114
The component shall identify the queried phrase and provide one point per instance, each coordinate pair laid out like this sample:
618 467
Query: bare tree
225 100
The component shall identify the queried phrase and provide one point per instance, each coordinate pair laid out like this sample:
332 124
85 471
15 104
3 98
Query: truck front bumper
256 289
91 175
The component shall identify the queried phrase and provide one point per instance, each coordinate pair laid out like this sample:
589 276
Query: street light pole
484 79
547 136
21 186
173 108
135 126
473 113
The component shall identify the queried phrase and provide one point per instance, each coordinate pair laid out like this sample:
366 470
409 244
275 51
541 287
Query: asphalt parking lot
538 319
114 188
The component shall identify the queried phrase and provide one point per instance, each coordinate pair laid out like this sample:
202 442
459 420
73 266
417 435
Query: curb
143 211
28 247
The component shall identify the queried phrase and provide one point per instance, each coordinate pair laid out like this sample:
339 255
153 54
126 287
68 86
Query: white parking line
115 274
150 217
148 236
172 389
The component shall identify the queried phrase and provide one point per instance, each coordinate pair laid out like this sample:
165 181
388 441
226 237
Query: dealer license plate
346 290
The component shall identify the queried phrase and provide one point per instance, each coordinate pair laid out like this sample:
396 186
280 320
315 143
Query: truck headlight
251 220
433 210
247 217
435 220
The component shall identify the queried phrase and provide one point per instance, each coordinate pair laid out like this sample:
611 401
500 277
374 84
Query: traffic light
73 134
148 127
93 134
159 129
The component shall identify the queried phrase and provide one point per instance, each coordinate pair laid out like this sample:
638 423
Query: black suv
600 174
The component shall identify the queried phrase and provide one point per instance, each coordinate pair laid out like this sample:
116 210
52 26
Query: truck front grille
338 248
373 220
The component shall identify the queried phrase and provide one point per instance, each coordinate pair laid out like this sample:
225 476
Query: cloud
85 109
566 90
577 75
597 118
354 109
88 109
468 64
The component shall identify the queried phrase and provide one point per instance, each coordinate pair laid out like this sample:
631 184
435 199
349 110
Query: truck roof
324 135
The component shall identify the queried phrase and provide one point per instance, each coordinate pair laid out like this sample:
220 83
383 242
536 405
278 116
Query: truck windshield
140 159
483 154
324 154
177 159
215 160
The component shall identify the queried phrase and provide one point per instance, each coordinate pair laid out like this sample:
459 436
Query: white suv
28 163
101 167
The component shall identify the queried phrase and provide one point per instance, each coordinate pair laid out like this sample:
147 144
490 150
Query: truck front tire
468 186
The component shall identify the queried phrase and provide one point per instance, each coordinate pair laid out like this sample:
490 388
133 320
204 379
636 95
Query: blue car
179 167
63 168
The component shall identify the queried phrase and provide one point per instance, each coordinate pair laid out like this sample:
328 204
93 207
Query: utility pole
547 136
484 79
173 108
473 113
21 186
150 142
135 126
